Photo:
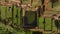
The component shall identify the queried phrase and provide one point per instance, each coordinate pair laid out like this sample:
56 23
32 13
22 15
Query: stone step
41 30
48 32
51 12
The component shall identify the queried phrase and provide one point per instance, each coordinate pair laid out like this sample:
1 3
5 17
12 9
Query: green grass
9 14
47 24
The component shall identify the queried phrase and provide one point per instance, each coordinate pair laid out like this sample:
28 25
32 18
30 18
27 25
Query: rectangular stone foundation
30 19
